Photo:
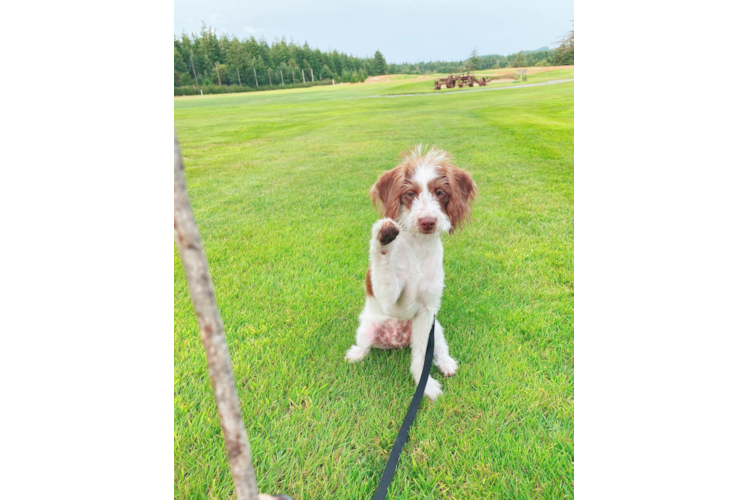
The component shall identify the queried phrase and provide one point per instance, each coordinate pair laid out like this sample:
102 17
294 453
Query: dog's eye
439 193
411 194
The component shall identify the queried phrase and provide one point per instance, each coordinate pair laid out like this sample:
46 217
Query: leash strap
389 469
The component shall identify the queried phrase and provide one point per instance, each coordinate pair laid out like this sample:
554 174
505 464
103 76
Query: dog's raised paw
388 233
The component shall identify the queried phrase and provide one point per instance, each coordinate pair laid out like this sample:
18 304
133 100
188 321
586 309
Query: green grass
279 181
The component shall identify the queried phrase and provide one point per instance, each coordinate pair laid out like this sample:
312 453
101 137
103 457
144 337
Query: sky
403 30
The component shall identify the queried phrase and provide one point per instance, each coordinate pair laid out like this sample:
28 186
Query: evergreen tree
337 62
317 61
307 70
180 67
209 45
238 62
519 61
473 63
222 71
186 80
380 65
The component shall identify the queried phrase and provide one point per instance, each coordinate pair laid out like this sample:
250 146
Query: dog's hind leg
364 338
446 364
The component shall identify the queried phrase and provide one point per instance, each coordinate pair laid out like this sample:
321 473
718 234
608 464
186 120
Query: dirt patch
380 78
532 70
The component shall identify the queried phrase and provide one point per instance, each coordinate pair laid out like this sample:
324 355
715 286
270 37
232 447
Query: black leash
389 469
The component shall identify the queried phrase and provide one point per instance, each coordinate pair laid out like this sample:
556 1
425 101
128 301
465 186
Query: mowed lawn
279 182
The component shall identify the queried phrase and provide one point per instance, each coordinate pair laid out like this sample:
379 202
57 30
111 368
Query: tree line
560 56
206 59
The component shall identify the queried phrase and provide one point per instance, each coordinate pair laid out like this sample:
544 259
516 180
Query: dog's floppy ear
463 193
386 192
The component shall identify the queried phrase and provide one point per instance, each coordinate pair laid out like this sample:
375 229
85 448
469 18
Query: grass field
279 181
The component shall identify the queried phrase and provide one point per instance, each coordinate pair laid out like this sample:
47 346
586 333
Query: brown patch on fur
459 190
440 184
369 288
388 233
406 199
391 189
464 192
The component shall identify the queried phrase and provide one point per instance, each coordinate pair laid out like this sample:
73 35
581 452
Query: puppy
420 199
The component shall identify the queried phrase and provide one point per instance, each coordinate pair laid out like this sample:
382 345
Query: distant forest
563 55
213 60
206 60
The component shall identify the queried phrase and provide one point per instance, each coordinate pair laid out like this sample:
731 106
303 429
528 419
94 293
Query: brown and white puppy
421 198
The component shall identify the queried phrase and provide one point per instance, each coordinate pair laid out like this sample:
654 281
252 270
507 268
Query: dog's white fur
406 277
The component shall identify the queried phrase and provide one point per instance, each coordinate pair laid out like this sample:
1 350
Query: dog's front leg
418 342
446 364
385 283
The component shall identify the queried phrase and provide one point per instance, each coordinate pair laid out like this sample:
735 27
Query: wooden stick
213 336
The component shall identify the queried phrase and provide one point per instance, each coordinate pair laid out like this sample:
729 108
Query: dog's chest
430 282
421 276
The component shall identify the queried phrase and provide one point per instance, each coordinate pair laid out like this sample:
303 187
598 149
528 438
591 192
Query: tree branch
212 333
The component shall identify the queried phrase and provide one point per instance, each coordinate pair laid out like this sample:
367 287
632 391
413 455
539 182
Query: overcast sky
403 30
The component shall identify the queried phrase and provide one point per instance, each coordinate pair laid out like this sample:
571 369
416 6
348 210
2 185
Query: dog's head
425 194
